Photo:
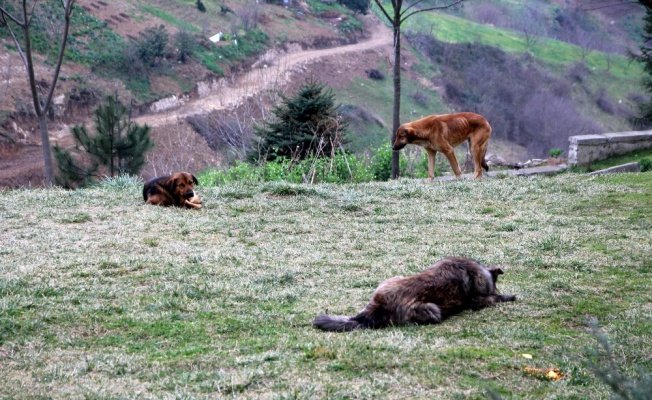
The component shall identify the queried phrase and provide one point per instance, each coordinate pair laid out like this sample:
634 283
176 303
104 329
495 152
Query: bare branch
3 22
428 9
602 4
389 19
62 49
18 48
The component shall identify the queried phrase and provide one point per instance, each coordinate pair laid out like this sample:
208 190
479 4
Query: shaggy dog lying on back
448 287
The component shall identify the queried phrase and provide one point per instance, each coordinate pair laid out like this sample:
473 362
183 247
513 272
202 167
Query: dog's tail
336 323
484 164
373 316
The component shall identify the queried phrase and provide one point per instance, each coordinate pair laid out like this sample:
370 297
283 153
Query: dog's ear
194 180
172 182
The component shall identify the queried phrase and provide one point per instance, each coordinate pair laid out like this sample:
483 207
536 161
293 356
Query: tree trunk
47 153
397 98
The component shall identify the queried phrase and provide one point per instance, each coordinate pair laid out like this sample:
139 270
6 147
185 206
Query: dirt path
25 167
261 79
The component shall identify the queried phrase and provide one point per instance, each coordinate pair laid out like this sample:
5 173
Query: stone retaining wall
585 149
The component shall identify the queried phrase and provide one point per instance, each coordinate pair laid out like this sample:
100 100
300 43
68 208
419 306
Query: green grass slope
603 87
102 296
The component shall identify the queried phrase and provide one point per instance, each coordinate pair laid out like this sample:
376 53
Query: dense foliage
524 104
305 124
118 147
152 43
644 119
359 6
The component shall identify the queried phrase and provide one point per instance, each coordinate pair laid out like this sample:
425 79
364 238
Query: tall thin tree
22 22
396 18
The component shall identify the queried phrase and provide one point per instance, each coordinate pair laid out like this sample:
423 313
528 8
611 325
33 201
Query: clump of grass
120 181
602 361
286 189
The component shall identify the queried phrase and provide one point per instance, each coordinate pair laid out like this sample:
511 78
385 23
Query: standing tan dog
444 132
448 287
172 190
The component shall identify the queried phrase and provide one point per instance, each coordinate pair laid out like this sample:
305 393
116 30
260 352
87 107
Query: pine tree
305 124
118 147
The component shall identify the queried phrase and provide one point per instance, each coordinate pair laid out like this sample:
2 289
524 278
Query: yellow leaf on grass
550 373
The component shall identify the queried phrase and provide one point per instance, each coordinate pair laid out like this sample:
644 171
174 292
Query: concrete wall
585 149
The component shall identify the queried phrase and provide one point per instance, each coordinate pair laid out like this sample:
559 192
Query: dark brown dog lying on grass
448 287
172 190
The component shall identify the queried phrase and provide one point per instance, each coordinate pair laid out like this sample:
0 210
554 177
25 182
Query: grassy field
103 297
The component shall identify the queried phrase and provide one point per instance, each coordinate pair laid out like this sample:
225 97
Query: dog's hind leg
479 143
424 313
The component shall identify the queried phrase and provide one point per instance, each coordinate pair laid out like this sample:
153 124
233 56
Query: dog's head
182 184
404 135
495 271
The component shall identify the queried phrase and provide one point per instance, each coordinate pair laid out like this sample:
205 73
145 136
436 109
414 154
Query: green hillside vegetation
602 88
553 52
95 43
103 296
599 89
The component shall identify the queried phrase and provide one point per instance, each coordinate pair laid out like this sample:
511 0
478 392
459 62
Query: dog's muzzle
189 194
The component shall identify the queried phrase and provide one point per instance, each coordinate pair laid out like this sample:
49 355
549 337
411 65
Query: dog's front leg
194 202
431 163
450 155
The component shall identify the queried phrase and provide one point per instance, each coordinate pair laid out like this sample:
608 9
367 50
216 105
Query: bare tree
396 19
249 15
586 42
21 21
531 22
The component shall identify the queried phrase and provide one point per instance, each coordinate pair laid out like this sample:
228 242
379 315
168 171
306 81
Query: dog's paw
196 199
194 202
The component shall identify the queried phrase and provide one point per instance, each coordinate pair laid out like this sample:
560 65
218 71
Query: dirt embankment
23 165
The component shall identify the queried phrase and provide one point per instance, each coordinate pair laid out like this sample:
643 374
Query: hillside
595 86
102 296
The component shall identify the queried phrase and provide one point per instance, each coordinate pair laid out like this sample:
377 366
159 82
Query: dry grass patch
102 296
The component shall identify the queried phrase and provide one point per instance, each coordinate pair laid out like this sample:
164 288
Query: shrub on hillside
152 44
305 124
186 45
421 98
223 131
358 6
554 117
375 74
522 103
